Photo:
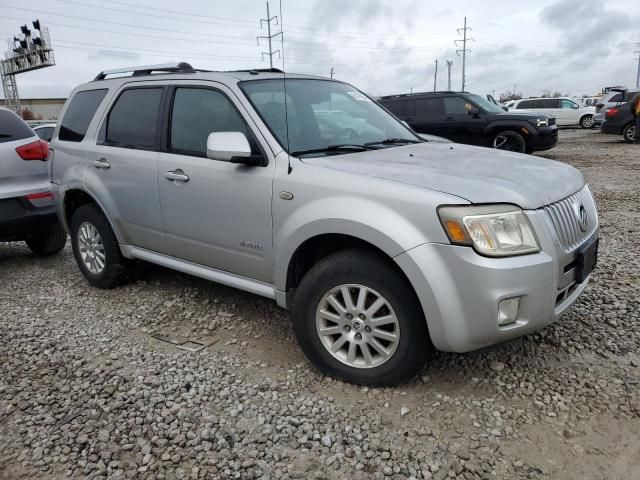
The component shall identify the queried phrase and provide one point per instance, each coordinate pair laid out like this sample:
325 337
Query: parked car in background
566 111
474 120
45 132
620 121
613 98
381 244
27 210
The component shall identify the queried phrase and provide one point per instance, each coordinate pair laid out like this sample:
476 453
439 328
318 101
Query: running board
208 273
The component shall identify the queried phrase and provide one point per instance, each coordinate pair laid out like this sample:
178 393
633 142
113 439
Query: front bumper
460 290
546 139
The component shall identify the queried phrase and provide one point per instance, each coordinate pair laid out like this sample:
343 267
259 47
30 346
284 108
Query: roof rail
182 67
413 94
255 71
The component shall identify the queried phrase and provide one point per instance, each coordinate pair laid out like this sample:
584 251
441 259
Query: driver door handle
176 176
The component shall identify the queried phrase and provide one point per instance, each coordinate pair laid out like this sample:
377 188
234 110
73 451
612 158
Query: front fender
371 221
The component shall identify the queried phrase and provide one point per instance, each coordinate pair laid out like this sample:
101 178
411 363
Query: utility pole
269 37
638 74
449 65
435 76
464 49
332 73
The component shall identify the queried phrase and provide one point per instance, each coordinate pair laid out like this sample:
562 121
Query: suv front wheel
357 318
510 141
96 248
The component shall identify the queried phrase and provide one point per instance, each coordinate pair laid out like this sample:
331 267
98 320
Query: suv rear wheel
510 141
48 242
629 133
96 248
357 318
587 121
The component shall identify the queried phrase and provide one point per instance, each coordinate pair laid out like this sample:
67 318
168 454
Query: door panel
122 168
221 216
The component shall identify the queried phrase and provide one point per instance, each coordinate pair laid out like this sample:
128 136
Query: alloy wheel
506 142
357 326
91 248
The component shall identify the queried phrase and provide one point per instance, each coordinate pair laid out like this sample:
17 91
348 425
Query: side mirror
232 147
475 111
575 106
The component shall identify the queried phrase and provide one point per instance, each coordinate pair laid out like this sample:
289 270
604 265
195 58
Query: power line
464 49
269 37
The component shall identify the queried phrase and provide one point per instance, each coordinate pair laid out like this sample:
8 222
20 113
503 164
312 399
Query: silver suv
26 202
306 191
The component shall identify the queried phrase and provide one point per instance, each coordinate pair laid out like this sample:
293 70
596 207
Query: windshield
485 104
322 115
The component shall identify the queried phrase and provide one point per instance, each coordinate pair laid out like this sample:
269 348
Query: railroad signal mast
30 51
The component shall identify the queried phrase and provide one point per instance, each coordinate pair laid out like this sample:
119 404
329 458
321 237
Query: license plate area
586 260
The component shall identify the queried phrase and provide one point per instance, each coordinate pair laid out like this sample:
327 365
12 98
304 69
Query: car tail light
599 105
612 112
39 196
38 150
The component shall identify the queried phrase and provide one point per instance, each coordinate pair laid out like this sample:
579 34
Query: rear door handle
102 163
176 176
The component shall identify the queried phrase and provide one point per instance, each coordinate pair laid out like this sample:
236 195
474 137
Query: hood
516 115
476 174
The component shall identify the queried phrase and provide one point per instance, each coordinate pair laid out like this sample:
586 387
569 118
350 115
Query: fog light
508 311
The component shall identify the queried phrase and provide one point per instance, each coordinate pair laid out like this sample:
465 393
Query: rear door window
430 107
13 127
525 104
133 119
79 113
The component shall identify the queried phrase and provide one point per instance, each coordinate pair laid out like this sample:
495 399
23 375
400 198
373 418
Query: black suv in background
468 118
620 121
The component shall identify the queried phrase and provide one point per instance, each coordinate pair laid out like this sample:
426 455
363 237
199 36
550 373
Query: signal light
25 30
38 150
36 24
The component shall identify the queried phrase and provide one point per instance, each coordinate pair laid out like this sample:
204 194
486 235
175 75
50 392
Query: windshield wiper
393 141
346 148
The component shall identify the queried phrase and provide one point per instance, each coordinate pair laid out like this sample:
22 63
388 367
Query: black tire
377 273
114 271
587 122
628 133
510 141
48 242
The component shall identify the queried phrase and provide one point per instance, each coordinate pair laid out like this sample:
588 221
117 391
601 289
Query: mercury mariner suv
305 190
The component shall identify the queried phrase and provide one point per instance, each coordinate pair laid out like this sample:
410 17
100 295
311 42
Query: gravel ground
87 392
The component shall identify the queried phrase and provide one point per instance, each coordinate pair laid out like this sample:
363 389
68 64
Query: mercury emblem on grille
581 215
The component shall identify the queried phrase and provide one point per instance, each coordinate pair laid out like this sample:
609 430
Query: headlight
541 122
493 230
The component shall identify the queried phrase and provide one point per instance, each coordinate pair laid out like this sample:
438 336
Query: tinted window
457 106
628 96
617 98
430 107
45 133
132 120
549 103
79 114
397 107
526 104
13 127
196 113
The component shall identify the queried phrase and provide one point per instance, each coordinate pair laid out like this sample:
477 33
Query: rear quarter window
12 127
78 116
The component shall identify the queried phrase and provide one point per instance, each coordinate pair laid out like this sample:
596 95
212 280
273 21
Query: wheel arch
76 197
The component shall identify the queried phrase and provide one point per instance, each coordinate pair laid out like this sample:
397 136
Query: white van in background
566 111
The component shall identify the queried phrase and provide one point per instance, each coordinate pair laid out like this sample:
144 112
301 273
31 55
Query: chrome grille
574 218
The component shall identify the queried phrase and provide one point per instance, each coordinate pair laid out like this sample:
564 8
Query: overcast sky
380 46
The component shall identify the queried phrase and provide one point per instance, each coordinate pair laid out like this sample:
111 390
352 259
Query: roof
419 94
